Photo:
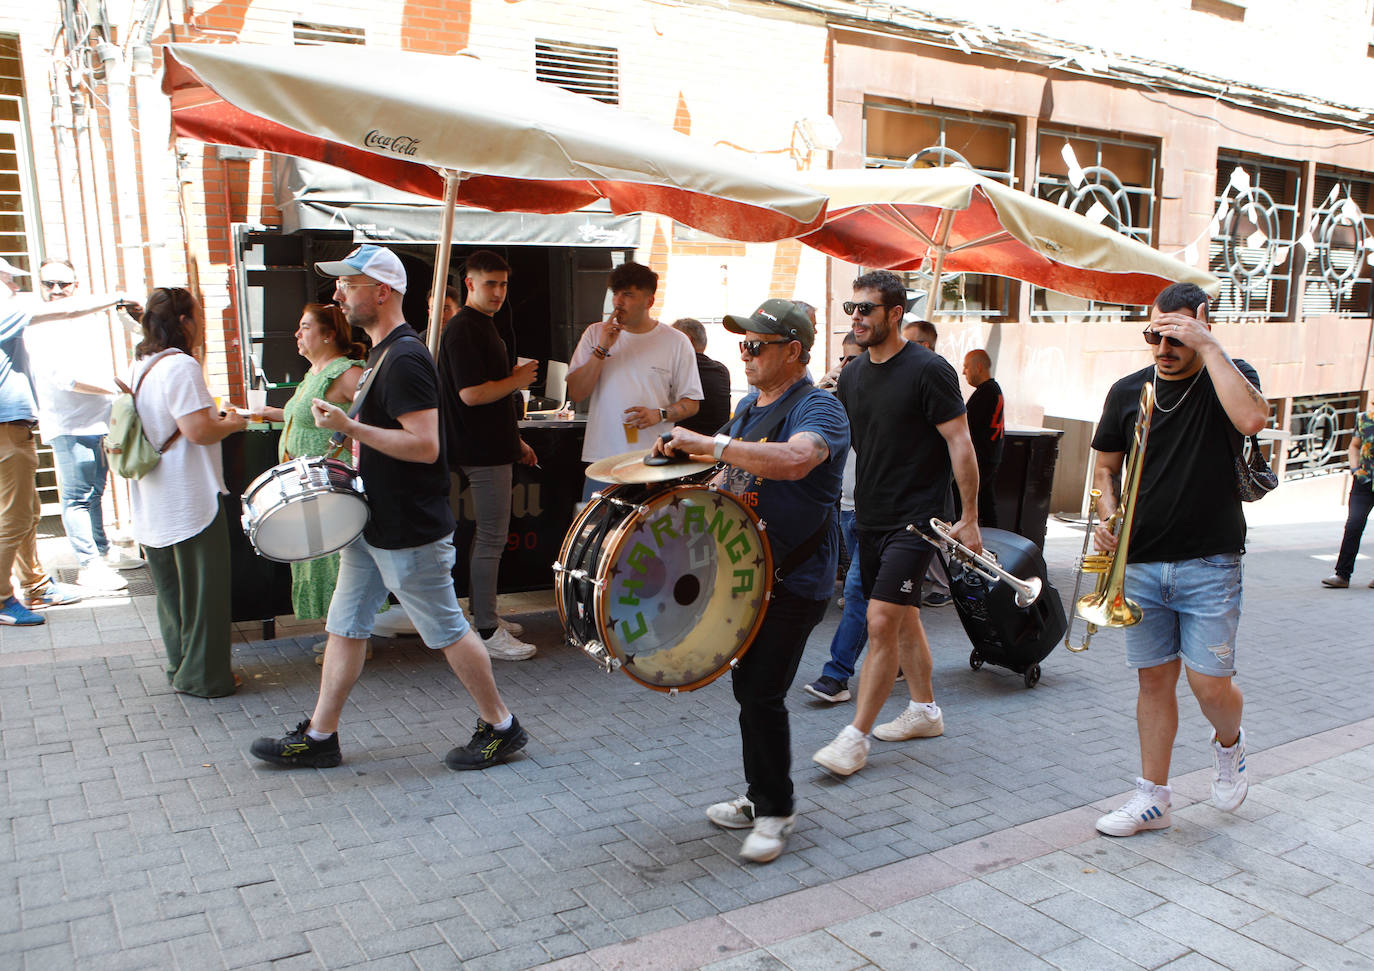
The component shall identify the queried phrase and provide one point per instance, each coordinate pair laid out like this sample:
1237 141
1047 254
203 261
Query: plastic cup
257 400
631 433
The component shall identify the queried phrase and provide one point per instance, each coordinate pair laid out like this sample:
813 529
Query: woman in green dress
326 341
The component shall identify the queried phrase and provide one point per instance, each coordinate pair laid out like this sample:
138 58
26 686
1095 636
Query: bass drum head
310 526
686 584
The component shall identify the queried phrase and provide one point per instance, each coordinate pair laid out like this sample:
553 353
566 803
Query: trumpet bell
1104 610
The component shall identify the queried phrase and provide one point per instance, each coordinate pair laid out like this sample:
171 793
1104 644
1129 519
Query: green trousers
192 580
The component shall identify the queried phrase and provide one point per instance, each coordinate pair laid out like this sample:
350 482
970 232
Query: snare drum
304 509
669 585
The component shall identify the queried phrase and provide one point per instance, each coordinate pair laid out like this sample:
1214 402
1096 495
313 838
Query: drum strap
766 428
338 438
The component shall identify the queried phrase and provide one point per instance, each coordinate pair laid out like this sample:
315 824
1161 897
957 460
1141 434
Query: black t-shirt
714 410
1187 505
986 425
409 500
471 352
903 471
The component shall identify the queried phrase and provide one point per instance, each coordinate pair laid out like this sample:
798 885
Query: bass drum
304 509
669 585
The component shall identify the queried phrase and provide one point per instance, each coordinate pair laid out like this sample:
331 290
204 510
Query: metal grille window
1336 280
18 208
580 68
1319 430
897 135
1109 180
312 35
1257 227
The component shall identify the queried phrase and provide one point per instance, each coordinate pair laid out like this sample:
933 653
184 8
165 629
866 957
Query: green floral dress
312 581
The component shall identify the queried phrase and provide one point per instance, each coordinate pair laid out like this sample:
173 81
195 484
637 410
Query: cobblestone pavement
138 833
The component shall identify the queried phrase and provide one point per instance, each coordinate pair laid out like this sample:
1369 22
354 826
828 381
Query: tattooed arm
1245 406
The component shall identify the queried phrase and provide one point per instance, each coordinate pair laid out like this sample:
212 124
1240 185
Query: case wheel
1032 676
975 660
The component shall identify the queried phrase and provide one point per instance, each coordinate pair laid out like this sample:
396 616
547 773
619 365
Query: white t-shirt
180 496
62 352
651 370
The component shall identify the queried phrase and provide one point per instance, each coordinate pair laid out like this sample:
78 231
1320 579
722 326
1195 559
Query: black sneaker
299 749
487 746
828 689
934 599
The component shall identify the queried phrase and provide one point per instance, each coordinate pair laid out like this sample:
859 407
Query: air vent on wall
581 68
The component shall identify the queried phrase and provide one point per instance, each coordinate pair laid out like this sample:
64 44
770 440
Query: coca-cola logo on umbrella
400 144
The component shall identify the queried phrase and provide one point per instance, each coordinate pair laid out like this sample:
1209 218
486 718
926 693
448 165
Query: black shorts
892 564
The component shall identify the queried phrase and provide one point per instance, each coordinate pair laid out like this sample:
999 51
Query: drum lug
578 575
598 653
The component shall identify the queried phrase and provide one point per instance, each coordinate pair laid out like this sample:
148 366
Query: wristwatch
721 440
663 414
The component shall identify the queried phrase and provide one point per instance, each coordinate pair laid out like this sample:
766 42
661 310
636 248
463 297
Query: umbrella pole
942 231
436 291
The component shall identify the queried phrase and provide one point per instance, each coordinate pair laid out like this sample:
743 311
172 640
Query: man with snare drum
784 454
407 546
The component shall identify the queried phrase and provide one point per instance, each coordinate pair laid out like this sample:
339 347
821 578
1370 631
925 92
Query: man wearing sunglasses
1188 534
72 370
784 455
907 418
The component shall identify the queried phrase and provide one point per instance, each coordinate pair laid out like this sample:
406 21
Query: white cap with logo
378 262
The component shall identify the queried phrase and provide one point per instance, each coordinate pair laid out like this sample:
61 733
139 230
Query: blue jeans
1361 501
80 461
852 633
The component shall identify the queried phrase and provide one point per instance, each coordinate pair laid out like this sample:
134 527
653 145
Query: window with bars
1110 180
1257 226
898 134
1319 432
312 35
587 69
18 207
1336 277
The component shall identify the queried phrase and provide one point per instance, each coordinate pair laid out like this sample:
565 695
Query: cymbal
628 468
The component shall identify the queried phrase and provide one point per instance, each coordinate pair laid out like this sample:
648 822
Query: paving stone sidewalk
138 833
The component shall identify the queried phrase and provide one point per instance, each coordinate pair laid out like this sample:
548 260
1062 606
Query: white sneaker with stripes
1147 809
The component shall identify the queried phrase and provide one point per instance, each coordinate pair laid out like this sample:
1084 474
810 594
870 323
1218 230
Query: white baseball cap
7 267
378 262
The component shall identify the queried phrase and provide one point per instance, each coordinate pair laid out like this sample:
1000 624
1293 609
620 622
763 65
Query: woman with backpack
178 516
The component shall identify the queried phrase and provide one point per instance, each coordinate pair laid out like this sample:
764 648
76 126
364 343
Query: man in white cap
407 546
71 369
20 509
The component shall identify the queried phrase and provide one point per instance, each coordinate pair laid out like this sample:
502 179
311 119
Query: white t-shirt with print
180 496
652 370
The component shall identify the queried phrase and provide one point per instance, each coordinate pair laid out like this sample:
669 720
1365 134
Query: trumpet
1107 605
984 564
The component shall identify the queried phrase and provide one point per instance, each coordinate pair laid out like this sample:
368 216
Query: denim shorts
421 577
1192 610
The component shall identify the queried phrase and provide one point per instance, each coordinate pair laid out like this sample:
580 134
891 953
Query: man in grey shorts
407 547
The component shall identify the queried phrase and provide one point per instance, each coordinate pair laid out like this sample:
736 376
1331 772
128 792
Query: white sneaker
766 840
911 723
1147 809
115 559
1230 785
844 756
511 627
735 814
97 576
504 647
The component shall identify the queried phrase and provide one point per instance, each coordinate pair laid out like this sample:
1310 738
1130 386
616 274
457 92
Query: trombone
984 564
1107 605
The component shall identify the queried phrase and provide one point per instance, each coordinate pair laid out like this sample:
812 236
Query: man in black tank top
1185 546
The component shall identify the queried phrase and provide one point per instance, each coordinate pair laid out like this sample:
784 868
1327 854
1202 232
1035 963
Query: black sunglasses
1154 337
847 358
755 348
864 308
58 284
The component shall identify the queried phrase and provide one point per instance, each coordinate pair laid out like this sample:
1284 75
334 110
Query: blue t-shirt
793 511
16 390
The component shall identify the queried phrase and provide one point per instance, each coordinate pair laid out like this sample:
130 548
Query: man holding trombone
1184 548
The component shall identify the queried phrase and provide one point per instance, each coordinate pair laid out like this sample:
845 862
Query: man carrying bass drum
1184 551
784 454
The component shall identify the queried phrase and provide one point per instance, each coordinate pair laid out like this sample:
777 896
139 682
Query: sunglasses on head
864 308
755 348
1154 337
